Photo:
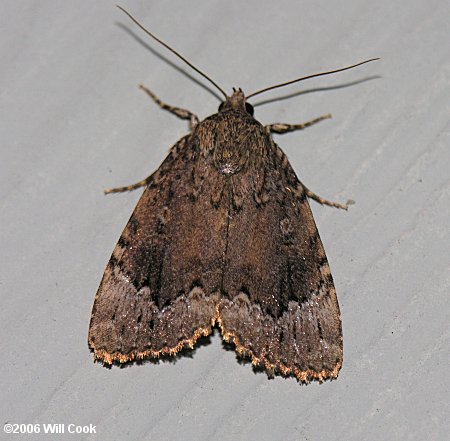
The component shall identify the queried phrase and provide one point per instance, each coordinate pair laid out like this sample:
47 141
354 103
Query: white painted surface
73 123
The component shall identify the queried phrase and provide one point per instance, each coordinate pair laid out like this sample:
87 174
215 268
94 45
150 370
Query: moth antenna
173 51
309 76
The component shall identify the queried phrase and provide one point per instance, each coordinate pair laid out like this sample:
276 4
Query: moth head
236 101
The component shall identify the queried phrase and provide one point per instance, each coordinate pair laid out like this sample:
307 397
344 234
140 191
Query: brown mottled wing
279 304
161 287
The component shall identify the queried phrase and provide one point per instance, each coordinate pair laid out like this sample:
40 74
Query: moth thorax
230 158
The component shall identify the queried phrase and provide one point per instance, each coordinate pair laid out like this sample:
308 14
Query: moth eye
221 106
249 109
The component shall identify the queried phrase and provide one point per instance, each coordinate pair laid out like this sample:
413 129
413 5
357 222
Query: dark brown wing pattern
161 287
279 304
223 234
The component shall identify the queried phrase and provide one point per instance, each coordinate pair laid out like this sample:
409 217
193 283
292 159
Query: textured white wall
73 123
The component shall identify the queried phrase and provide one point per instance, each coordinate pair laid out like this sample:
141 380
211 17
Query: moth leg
139 184
281 128
181 113
324 201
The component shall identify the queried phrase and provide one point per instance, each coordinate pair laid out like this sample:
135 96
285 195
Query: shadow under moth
222 235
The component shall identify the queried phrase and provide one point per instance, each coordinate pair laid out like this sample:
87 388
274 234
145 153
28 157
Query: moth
222 235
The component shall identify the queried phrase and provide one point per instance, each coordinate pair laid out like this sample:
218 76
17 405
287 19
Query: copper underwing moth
222 235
